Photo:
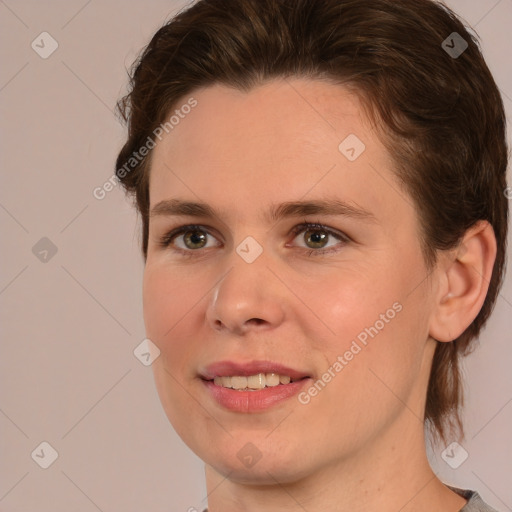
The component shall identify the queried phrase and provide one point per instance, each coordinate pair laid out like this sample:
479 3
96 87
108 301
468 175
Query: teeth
257 381
252 382
272 379
238 382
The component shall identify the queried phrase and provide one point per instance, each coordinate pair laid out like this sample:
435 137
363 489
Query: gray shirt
474 504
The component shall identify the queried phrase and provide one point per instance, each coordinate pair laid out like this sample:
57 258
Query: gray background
70 324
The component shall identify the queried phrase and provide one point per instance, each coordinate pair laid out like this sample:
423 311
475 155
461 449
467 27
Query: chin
249 465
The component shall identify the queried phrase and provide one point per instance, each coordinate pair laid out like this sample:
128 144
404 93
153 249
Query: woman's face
248 292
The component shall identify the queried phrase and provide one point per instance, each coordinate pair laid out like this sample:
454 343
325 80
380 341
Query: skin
359 444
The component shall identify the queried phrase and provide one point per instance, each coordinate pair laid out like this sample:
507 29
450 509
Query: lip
257 400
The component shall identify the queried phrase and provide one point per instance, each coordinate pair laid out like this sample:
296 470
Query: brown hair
441 115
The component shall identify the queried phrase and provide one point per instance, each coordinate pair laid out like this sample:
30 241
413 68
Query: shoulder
475 502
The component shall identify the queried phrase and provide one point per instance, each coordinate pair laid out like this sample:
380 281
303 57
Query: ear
463 280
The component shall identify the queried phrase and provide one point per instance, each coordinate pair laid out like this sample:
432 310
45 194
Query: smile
253 386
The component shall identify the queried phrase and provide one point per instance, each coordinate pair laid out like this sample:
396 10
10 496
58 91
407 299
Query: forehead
281 117
283 140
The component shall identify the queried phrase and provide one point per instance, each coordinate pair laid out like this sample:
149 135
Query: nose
248 297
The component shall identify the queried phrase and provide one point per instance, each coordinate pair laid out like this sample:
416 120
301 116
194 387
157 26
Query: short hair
439 113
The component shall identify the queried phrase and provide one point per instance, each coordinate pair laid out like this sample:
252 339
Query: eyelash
167 239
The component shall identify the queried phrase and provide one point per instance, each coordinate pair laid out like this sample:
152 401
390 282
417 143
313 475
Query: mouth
251 387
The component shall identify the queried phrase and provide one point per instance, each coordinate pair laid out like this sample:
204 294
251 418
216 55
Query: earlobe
465 276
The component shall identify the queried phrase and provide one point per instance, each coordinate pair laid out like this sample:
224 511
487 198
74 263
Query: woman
321 186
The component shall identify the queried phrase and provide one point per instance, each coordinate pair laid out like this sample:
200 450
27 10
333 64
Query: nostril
257 321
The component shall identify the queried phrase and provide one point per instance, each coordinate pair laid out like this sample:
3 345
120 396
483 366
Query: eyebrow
177 207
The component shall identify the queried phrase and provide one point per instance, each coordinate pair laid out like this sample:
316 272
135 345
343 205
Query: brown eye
188 239
318 238
195 239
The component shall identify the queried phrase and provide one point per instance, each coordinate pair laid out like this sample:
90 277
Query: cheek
380 338
348 301
380 307
167 301
168 307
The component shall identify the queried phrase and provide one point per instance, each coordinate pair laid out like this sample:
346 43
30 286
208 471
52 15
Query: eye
187 239
316 237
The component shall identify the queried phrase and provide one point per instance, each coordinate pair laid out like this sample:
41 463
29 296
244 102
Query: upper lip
231 368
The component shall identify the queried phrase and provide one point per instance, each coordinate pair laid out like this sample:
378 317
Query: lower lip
254 401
